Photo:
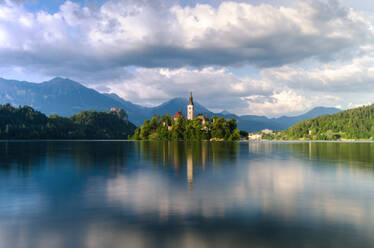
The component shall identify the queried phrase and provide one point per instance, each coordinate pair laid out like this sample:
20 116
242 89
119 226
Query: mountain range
66 97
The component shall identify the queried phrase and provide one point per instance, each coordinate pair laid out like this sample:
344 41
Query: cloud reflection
177 195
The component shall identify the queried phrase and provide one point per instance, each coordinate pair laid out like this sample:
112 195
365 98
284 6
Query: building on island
203 119
191 113
177 115
190 108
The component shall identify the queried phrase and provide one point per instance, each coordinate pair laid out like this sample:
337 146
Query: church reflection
189 167
190 158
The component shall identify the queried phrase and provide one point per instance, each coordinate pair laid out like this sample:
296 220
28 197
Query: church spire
191 100
190 108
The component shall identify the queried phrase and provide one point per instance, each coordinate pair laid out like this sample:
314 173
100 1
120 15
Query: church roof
191 100
179 113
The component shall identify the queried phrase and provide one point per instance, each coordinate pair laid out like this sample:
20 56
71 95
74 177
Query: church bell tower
190 108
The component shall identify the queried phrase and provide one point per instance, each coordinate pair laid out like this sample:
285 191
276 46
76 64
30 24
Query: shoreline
239 141
311 141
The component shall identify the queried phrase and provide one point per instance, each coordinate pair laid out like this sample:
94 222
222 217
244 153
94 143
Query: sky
261 57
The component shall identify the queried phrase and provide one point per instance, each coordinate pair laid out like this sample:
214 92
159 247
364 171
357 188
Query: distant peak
57 79
224 112
62 81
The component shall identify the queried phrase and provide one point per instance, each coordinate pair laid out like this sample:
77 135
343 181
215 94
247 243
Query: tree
26 123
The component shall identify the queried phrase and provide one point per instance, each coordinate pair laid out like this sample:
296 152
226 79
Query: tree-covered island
194 128
179 128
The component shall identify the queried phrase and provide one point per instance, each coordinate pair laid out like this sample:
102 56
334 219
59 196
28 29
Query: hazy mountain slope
57 96
285 122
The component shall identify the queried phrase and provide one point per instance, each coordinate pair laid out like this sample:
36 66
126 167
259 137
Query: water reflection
328 151
194 156
175 194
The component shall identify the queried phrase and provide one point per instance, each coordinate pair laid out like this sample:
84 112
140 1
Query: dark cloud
150 34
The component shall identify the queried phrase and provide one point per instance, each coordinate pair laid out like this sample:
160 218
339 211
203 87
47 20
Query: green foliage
26 123
165 128
350 124
243 134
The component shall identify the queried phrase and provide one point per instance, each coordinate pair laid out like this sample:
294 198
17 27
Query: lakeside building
267 131
254 136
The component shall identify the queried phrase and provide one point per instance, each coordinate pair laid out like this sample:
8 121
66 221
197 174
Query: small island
194 128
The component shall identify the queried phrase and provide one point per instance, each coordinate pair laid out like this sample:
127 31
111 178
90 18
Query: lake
175 194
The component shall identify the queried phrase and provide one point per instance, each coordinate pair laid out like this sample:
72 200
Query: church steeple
190 108
191 99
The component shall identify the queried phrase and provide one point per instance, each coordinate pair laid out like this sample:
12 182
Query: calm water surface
151 194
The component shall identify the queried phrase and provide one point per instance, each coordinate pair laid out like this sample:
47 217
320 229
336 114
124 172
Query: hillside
355 123
26 123
65 97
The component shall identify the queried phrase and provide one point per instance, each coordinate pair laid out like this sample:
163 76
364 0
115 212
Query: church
190 108
190 112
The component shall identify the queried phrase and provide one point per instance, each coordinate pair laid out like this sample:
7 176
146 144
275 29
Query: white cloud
278 103
357 105
356 76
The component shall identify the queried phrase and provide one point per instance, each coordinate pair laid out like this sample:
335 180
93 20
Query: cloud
215 88
129 33
281 102
356 76
278 103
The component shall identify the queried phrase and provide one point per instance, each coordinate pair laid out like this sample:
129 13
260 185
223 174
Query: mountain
66 97
57 96
355 123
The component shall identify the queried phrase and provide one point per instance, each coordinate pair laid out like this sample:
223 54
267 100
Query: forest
166 128
354 124
24 122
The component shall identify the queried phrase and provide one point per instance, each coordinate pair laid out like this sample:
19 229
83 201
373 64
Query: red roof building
203 119
177 115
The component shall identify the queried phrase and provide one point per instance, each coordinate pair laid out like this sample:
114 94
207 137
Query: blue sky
265 57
